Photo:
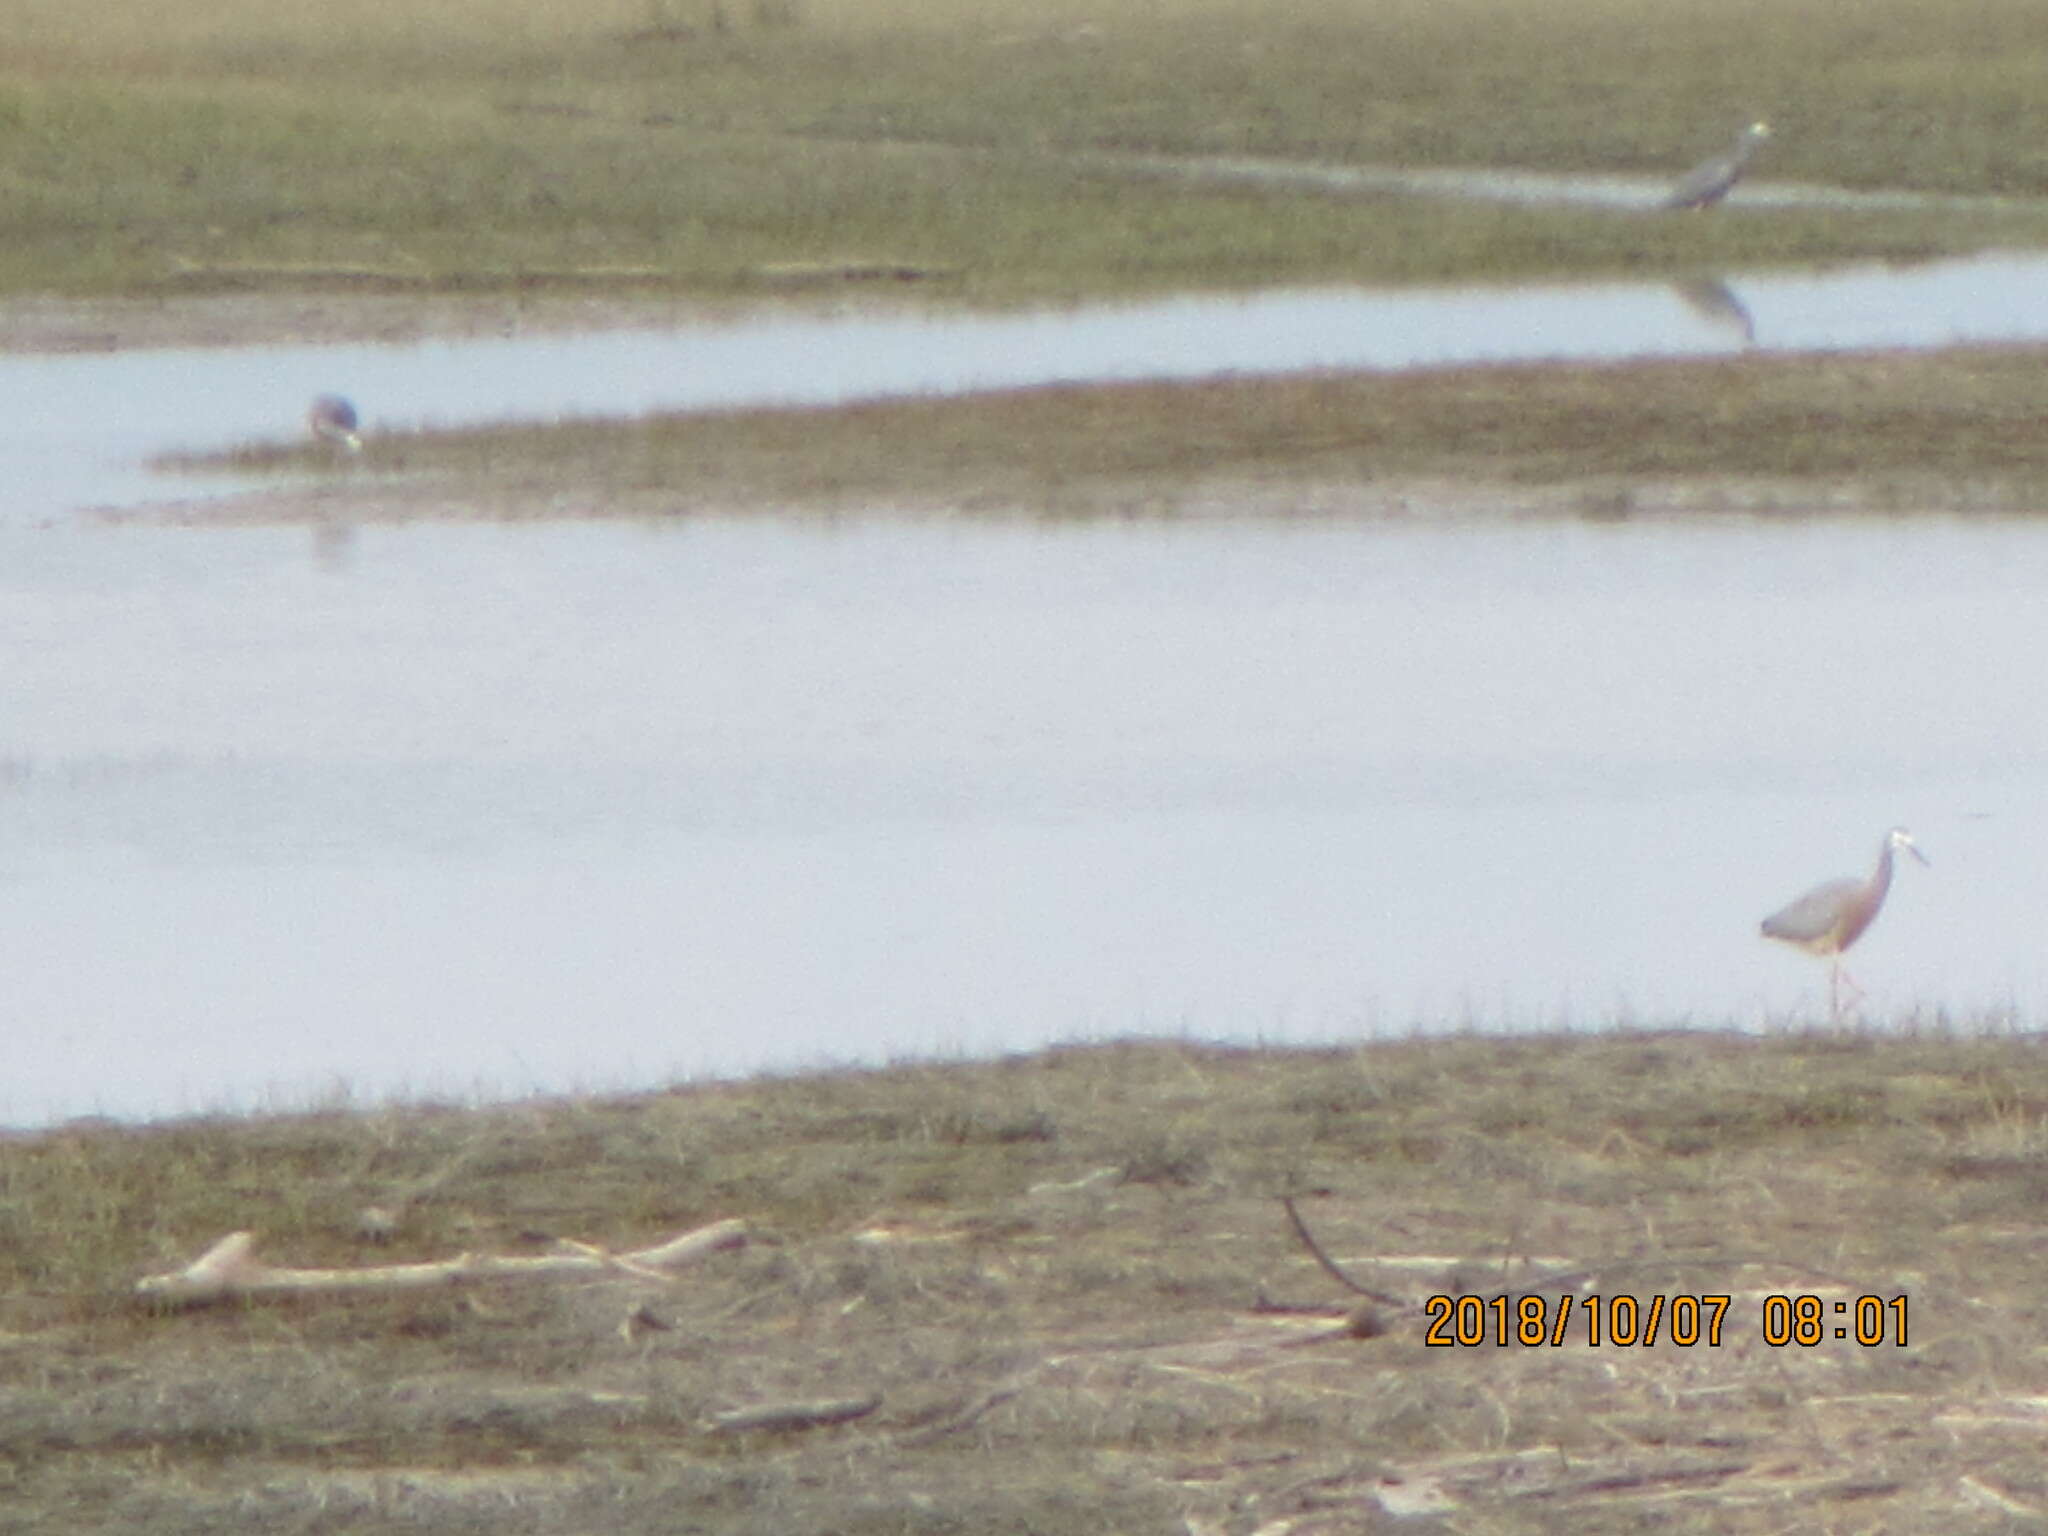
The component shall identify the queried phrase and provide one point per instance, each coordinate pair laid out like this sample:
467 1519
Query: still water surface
490 809
484 809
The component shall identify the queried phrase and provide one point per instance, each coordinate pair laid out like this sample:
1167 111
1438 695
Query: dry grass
1050 1268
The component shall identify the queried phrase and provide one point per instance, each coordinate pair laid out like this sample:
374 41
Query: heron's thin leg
1857 994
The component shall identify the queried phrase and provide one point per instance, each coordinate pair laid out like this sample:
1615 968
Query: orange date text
1620 1321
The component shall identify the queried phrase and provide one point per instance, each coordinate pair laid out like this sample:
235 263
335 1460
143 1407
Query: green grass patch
488 143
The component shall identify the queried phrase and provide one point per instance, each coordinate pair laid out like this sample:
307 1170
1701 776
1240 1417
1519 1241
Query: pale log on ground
230 1268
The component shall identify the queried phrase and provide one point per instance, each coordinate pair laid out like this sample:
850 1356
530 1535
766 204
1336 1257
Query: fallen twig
965 1418
1330 1265
788 1416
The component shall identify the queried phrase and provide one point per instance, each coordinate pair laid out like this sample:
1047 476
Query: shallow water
78 430
1628 193
496 809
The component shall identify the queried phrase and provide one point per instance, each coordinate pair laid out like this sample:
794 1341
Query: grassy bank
707 143
1059 1273
1888 432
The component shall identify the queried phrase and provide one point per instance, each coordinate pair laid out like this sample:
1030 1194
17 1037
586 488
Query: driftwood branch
230 1268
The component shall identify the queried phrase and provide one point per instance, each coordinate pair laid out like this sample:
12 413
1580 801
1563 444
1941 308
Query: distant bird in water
332 419
1711 180
1831 917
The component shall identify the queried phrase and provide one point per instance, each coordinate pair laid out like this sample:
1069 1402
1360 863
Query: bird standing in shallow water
1711 180
333 420
1831 917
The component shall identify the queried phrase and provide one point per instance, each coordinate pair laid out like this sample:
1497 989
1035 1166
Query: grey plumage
1829 918
1710 181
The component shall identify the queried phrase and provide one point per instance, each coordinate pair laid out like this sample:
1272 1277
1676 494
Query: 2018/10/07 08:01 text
1625 1320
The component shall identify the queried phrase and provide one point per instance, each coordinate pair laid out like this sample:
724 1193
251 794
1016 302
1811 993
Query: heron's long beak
1914 849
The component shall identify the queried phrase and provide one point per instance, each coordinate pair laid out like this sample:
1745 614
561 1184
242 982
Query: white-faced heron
1831 917
332 419
1709 181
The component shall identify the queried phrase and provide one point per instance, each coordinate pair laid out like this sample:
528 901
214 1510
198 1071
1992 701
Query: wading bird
333 420
1709 181
1831 917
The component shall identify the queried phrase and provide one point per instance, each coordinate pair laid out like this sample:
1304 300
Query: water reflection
504 808
334 543
1716 303
66 449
